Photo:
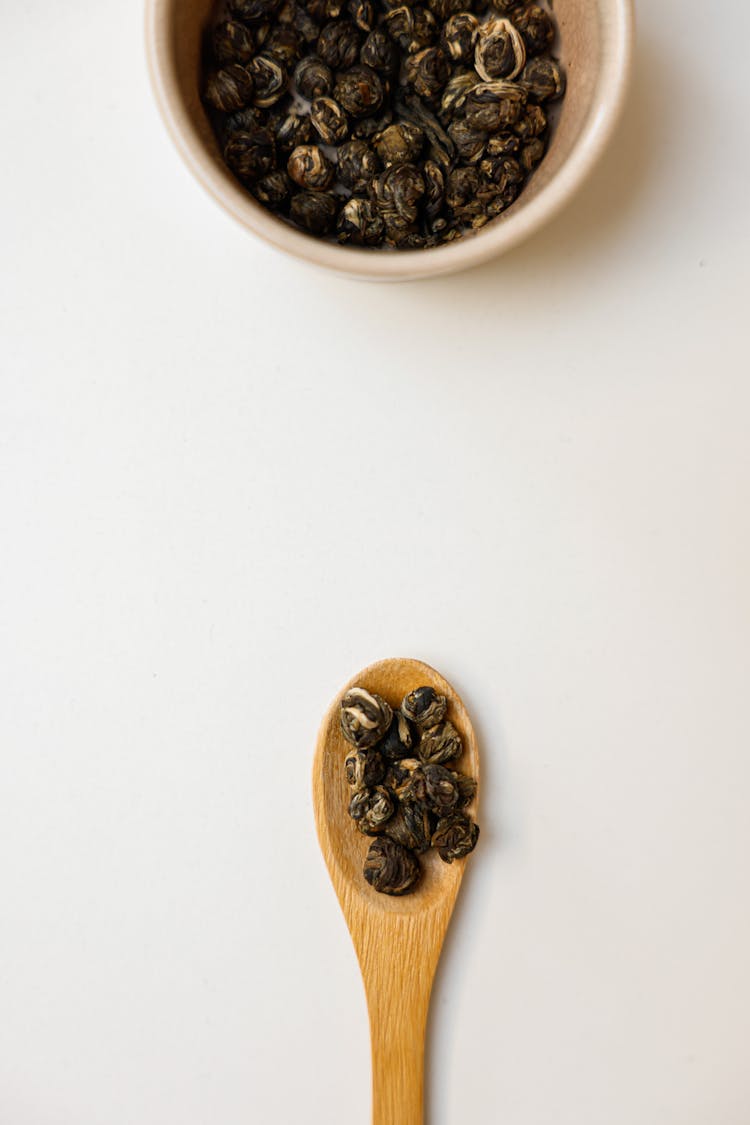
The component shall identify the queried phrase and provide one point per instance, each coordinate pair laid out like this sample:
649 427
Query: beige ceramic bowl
596 44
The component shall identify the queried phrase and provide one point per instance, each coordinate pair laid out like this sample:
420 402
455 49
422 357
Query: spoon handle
397 1031
398 970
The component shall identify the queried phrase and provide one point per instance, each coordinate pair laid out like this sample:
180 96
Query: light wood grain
398 940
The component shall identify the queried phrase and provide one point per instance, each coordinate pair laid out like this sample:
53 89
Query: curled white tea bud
365 717
424 707
500 50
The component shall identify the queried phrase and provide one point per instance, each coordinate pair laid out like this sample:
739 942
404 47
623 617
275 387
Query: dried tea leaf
391 868
365 717
467 788
412 825
440 790
455 836
371 809
364 768
424 707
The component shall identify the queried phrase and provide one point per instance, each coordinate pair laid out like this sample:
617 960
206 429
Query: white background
229 482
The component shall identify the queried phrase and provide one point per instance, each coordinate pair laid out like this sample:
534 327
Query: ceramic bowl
596 38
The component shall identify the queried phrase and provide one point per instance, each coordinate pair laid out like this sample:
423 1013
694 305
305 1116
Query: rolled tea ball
291 129
313 78
531 123
390 867
303 22
398 740
543 80
441 743
412 826
536 28
270 80
455 836
371 809
424 31
397 191
285 45
414 790
230 88
359 90
309 167
467 788
459 36
435 189
338 44
424 707
492 106
428 71
241 121
399 24
364 768
505 174
273 190
329 121
531 154
365 717
357 164
469 143
379 52
360 223
444 9
500 50
253 11
401 143
461 194
441 789
315 211
503 144
251 154
233 42
400 776
365 128
455 92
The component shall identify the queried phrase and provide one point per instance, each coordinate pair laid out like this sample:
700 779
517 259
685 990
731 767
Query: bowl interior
589 48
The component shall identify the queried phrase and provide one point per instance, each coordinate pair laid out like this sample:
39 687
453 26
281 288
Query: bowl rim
403 265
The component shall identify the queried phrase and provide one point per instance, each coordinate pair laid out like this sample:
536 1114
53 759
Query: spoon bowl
397 939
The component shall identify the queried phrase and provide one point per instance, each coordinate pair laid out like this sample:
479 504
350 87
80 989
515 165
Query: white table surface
229 482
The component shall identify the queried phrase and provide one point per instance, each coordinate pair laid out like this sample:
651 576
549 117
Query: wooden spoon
398 940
